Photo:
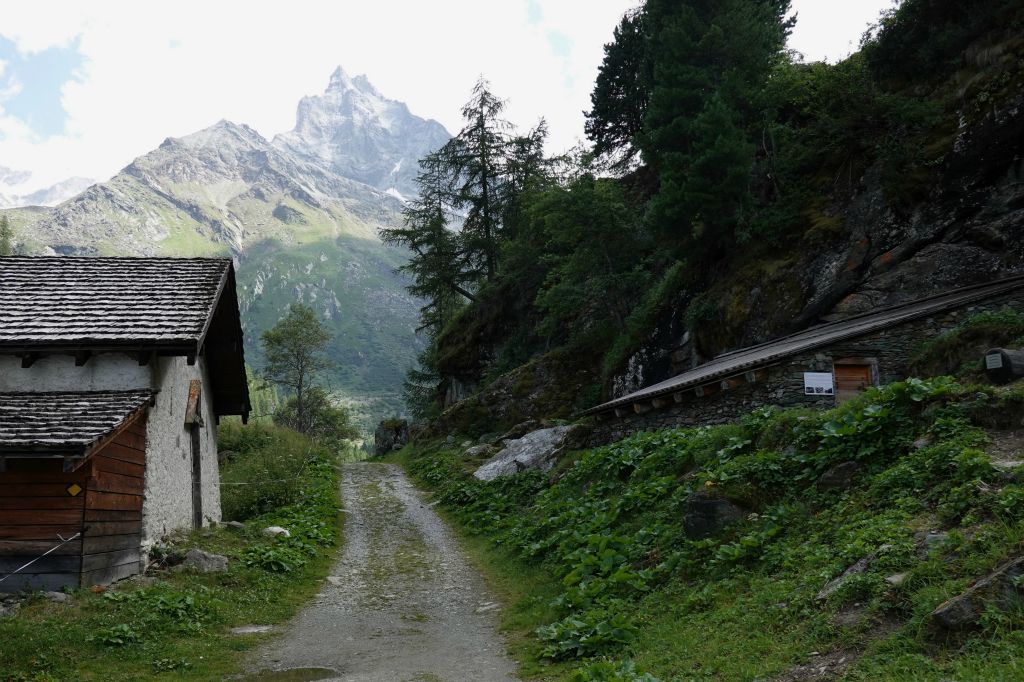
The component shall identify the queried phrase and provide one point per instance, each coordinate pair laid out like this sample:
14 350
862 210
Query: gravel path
401 605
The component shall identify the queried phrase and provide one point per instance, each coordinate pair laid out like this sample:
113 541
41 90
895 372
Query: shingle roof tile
66 423
65 301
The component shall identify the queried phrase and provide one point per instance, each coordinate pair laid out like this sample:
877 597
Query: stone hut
113 375
818 367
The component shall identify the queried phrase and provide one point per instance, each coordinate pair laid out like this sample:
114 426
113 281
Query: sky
85 87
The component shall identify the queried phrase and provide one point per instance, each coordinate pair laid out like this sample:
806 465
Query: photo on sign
819 383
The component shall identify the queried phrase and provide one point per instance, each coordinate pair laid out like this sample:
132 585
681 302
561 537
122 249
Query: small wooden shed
72 492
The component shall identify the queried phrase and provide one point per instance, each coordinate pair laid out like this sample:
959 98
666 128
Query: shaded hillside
739 195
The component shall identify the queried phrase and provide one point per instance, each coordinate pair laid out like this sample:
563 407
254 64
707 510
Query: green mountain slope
298 233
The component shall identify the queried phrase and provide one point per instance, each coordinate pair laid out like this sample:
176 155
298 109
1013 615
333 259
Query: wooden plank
36 489
51 474
107 482
40 581
105 576
35 517
110 543
113 528
110 465
124 453
37 547
130 439
41 531
47 564
100 500
112 515
66 502
95 562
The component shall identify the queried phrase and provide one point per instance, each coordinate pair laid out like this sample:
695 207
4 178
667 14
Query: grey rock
860 566
536 450
928 541
922 442
489 439
478 451
896 579
9 607
520 430
999 589
251 630
707 515
839 477
234 525
205 562
57 597
277 530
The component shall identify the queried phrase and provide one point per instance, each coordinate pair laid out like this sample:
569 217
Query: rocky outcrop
858 567
1001 589
707 516
537 450
390 435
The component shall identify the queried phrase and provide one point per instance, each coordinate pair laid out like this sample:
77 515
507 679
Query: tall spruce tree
475 160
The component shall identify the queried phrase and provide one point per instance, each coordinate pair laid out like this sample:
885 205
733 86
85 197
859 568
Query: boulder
861 565
999 589
839 477
706 515
277 530
390 435
535 450
478 451
519 430
234 525
205 562
58 597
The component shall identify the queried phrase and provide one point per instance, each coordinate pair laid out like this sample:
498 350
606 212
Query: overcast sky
87 86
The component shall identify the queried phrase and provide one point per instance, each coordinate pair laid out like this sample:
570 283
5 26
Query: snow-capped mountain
13 190
358 133
301 226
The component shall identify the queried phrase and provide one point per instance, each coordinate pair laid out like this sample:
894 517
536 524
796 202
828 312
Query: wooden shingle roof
82 302
746 359
68 424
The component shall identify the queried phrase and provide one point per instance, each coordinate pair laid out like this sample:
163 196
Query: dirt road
401 605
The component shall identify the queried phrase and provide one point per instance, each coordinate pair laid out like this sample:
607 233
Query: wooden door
851 380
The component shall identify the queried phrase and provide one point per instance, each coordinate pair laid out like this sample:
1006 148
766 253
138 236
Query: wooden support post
640 408
750 376
659 403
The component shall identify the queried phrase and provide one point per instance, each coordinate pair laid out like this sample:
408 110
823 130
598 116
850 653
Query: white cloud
153 70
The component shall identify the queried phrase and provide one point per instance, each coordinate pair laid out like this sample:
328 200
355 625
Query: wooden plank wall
35 508
113 508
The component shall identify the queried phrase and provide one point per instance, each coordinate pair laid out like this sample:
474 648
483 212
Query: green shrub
265 470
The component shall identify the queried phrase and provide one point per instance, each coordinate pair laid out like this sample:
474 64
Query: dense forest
713 150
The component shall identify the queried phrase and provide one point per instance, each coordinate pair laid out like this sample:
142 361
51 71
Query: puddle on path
290 675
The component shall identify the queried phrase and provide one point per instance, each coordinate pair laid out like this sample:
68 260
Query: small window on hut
853 375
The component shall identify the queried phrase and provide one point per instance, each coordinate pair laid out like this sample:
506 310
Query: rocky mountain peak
358 133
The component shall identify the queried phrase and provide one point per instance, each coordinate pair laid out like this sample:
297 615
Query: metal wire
55 547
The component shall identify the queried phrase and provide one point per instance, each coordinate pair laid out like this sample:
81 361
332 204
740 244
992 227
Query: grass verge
605 578
175 624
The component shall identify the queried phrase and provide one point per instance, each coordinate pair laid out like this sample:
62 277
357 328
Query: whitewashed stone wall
168 503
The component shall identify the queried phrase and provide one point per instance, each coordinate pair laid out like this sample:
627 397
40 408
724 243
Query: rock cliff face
358 133
301 227
970 229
